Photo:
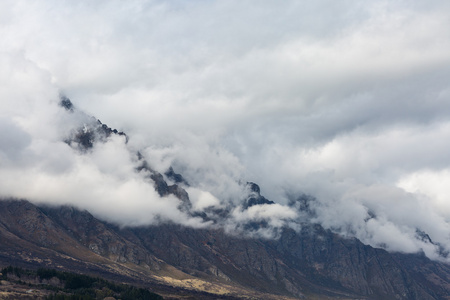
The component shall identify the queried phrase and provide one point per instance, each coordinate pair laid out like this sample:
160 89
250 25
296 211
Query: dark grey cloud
346 101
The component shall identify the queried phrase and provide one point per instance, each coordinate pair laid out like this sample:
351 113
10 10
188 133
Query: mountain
312 262
210 262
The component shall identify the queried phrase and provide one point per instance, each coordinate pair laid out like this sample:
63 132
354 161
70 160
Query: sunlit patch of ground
9 290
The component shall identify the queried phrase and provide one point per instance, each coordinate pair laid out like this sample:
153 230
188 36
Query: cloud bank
347 102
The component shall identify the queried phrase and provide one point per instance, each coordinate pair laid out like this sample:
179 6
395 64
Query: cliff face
312 261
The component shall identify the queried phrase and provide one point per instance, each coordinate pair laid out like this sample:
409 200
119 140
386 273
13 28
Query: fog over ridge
348 103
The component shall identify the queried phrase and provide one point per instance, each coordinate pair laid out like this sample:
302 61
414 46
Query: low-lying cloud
348 103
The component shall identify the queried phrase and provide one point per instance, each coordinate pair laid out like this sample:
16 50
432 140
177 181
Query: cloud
433 184
347 102
14 140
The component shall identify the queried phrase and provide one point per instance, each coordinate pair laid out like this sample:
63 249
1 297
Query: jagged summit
66 103
177 178
254 197
88 132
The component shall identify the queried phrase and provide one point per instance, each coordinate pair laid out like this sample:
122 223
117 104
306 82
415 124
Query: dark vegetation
75 286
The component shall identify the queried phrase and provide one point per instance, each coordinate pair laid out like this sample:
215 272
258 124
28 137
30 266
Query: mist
348 103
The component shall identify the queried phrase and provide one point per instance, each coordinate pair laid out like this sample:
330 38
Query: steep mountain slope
312 262
35 237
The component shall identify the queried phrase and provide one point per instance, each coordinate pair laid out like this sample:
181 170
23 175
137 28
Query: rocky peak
88 134
253 187
177 178
66 103
254 196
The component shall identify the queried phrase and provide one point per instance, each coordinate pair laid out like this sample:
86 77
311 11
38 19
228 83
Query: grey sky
346 100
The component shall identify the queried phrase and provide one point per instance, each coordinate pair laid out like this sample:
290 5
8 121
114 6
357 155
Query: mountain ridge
304 261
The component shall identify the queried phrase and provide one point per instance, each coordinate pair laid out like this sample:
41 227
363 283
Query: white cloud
202 199
434 184
348 102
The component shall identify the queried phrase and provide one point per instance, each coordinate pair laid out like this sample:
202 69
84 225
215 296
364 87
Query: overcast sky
348 101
